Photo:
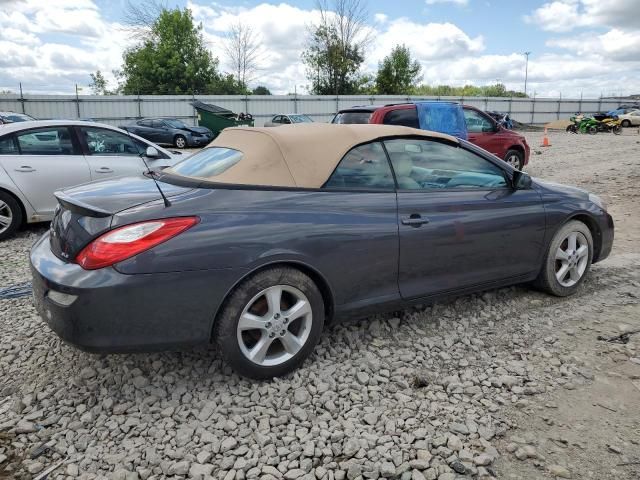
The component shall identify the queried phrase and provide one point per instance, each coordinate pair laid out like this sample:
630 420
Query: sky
578 47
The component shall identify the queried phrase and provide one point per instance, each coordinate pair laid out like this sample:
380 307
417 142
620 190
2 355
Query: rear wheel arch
318 279
23 210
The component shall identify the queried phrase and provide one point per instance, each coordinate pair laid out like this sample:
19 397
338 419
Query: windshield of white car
300 119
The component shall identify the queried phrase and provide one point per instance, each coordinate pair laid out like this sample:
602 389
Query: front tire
626 123
180 141
567 261
270 323
10 215
515 158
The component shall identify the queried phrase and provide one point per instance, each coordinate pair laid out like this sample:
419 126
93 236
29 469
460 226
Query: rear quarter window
207 163
407 117
352 117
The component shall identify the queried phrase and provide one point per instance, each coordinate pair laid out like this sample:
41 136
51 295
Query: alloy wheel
274 325
572 258
514 161
180 142
6 216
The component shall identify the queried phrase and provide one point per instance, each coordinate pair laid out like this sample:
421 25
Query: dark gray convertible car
170 131
258 241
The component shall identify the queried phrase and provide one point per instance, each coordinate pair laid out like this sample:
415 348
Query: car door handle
25 168
414 220
104 170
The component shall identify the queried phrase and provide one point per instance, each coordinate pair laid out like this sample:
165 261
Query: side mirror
152 152
520 180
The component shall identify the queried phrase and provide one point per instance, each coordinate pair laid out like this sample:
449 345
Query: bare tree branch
139 17
242 48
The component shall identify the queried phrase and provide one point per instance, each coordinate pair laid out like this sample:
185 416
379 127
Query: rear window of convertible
207 163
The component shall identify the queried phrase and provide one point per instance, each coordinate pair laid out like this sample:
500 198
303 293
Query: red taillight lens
125 242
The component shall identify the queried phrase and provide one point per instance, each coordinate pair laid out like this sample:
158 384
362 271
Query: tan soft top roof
301 155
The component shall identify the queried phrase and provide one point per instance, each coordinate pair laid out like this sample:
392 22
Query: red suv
482 129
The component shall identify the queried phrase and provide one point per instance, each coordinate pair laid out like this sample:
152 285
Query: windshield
16 117
300 119
176 124
207 163
352 117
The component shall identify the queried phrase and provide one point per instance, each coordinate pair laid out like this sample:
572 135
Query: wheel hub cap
275 325
572 258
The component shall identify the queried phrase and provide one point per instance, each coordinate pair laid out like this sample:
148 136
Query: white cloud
567 15
49 46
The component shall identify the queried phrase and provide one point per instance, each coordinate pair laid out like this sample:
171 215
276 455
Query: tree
398 73
261 90
140 16
98 84
335 48
497 90
173 59
242 51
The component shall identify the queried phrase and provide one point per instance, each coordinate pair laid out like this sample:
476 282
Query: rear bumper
114 312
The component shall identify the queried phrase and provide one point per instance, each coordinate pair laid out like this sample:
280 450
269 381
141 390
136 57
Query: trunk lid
86 211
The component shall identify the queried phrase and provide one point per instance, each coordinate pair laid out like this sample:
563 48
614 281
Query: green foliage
496 90
398 73
261 90
173 60
98 84
332 64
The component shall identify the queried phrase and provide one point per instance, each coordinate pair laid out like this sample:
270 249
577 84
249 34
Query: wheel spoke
2 205
560 274
298 310
249 321
582 251
572 241
5 221
260 349
274 295
291 343
574 274
561 254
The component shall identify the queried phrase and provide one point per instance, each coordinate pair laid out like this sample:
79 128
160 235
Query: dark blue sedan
170 131
258 241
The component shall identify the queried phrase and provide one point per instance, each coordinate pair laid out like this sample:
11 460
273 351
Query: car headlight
598 201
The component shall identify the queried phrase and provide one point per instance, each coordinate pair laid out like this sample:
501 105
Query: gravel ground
509 383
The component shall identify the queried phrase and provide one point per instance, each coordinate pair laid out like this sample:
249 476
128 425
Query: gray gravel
426 393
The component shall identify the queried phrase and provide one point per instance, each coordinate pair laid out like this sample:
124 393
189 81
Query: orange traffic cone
545 139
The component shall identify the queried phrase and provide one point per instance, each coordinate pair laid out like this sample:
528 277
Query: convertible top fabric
301 155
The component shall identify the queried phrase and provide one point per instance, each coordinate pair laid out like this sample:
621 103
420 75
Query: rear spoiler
85 209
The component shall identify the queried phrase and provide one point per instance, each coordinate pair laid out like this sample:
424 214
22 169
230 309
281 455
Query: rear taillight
129 240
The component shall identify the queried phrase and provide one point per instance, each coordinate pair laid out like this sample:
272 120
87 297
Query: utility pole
526 70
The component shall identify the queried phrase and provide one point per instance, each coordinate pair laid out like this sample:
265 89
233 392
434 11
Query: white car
630 119
288 119
39 157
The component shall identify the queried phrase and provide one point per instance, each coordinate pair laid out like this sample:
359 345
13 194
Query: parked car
482 130
12 117
170 131
287 119
40 157
622 110
270 233
630 119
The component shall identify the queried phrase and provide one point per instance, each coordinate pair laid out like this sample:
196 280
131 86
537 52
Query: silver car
39 157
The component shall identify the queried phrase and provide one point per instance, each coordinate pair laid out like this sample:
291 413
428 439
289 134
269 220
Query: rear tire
567 262
180 141
592 130
270 323
10 215
616 129
515 158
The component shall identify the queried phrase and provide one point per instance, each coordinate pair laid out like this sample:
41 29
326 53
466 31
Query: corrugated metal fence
119 109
